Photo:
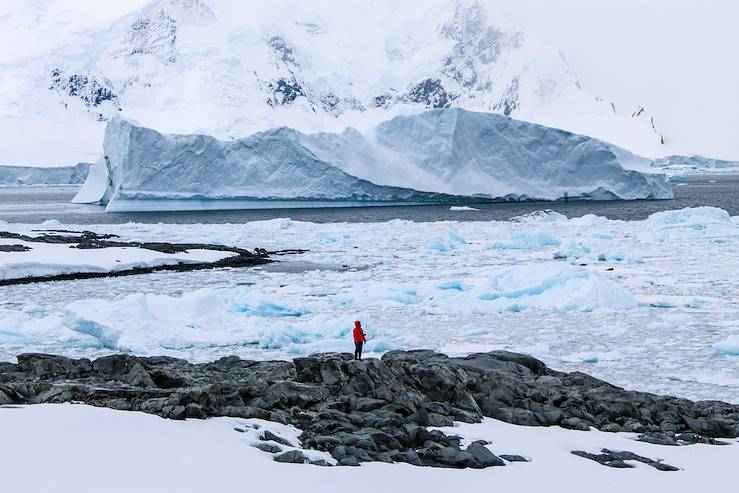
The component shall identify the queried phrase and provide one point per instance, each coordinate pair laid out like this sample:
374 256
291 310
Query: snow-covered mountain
441 155
230 69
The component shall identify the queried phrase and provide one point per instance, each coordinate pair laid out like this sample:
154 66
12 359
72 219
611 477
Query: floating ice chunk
462 208
555 286
250 302
387 293
476 332
51 224
730 346
543 216
444 245
592 357
573 250
107 336
268 310
602 249
453 285
527 241
692 223
441 246
95 186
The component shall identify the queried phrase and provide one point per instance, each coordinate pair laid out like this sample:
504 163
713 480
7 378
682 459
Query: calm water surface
34 205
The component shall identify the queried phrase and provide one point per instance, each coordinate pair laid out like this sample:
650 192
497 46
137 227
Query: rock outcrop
371 410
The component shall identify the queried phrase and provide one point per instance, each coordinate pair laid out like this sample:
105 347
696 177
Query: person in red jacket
359 339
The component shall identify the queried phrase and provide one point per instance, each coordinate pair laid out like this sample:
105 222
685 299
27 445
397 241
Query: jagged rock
370 410
5 398
269 436
293 457
348 461
513 458
267 447
483 456
320 462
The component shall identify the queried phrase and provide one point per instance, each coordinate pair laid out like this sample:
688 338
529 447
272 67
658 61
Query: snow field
48 259
209 455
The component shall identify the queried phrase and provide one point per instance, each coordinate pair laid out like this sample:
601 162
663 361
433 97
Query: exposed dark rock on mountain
91 90
372 410
284 92
154 35
431 93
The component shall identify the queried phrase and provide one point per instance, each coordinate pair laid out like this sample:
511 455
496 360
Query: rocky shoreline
376 409
88 240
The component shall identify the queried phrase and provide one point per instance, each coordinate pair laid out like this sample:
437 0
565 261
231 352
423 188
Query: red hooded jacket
358 332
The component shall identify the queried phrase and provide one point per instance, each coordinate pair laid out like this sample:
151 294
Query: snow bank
436 156
209 455
49 259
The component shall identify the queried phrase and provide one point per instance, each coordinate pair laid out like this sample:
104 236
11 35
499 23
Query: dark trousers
358 350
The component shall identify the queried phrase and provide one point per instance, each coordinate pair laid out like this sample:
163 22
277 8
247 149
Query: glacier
228 70
11 176
439 156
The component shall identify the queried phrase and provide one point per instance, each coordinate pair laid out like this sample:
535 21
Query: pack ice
437 156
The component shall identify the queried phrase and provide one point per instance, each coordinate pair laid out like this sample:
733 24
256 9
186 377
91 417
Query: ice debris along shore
442 155
373 410
17 176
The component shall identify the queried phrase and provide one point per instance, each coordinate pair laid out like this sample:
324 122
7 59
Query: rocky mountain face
229 70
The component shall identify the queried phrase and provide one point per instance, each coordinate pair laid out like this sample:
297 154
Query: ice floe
662 292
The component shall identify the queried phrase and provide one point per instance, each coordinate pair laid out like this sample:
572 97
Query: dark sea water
35 205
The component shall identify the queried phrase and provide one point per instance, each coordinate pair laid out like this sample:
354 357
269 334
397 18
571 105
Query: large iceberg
695 163
442 155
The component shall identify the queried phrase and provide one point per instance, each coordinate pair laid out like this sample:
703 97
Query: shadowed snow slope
434 156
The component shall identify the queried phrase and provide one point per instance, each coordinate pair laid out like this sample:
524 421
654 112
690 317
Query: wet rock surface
370 410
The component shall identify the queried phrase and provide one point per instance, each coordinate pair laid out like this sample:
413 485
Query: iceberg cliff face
441 155
37 176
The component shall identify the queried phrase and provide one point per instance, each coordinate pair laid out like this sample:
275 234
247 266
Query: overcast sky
679 58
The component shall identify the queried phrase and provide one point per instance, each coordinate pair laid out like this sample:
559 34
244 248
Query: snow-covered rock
230 69
431 157
28 175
